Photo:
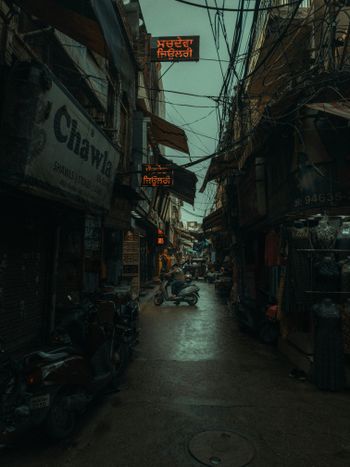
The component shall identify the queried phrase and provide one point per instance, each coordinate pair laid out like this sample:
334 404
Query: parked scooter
188 294
31 395
52 388
128 308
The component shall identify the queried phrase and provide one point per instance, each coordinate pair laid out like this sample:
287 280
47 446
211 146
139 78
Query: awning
76 19
219 165
90 22
184 186
185 234
168 134
340 109
188 244
164 132
215 221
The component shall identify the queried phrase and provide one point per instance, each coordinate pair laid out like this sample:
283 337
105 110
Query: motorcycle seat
52 356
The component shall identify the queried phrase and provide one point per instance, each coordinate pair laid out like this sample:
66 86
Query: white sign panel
70 152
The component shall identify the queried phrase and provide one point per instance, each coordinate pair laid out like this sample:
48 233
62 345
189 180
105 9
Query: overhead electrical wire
182 93
200 119
267 8
215 40
248 55
236 42
202 146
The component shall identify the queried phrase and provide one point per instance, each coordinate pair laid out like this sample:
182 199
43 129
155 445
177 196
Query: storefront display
323 235
318 284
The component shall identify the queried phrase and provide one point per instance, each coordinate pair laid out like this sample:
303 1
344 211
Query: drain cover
222 448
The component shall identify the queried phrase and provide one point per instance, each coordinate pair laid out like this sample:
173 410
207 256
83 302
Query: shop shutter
23 284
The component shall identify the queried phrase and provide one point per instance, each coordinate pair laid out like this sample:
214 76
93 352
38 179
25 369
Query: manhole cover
222 448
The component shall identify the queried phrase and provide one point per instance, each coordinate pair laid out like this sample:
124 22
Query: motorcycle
188 293
51 388
30 397
128 310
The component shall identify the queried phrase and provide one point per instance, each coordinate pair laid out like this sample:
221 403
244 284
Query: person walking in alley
164 262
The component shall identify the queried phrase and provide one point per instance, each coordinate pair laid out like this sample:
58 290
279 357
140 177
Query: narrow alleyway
194 371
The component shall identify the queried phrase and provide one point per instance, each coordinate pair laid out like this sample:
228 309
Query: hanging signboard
154 175
160 237
63 153
175 49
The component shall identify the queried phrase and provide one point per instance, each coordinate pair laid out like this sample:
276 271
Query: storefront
58 169
294 244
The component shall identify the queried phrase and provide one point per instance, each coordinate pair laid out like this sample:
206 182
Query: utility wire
182 93
185 2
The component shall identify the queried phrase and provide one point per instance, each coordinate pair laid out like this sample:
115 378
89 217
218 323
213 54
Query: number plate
40 402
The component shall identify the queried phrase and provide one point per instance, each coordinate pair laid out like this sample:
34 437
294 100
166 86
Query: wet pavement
194 372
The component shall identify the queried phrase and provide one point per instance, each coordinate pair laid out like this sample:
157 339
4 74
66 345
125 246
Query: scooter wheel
192 299
60 422
158 299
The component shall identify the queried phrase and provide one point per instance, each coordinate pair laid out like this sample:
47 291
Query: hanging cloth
272 249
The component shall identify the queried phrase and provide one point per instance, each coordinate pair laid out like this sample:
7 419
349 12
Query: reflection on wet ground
194 372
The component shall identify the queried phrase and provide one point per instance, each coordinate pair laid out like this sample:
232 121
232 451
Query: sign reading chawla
65 153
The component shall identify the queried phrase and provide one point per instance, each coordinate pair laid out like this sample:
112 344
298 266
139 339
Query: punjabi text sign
154 175
175 49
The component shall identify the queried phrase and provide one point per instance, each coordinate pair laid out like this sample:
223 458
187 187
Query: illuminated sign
160 238
175 49
154 175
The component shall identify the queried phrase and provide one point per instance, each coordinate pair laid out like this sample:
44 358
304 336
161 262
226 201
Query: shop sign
160 237
92 234
155 175
311 188
65 152
175 49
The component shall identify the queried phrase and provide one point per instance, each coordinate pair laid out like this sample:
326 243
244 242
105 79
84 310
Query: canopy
93 23
184 186
219 165
164 132
340 109
168 134
215 221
